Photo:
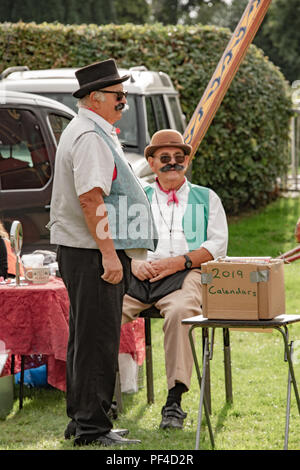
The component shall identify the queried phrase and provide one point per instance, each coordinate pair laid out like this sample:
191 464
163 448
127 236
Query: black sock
175 393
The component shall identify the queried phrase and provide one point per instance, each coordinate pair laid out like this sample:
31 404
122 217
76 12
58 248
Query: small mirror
16 237
16 240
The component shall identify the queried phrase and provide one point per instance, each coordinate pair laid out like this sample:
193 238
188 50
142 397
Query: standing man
92 179
192 229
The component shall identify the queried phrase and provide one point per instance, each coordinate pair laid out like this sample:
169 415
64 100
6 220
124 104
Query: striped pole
225 72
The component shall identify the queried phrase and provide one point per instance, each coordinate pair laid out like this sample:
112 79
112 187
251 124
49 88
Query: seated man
192 230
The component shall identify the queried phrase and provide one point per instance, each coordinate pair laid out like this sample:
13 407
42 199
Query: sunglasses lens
165 159
120 95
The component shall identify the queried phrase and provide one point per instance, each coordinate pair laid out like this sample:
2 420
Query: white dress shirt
168 220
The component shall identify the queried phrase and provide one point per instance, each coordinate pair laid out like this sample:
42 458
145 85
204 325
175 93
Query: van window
176 112
156 114
65 98
128 127
58 124
24 160
152 126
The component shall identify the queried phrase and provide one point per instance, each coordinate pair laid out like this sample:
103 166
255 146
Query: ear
94 102
92 96
151 161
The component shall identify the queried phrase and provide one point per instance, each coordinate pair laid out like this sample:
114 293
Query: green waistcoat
195 219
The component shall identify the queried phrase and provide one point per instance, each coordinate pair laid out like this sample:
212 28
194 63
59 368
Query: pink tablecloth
34 320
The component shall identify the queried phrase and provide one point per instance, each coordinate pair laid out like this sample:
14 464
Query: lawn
256 418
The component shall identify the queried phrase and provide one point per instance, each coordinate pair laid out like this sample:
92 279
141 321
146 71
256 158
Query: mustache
120 106
169 167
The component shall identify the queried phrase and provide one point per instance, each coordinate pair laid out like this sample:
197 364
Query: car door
28 141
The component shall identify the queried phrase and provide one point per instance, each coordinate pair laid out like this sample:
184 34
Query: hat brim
150 149
98 85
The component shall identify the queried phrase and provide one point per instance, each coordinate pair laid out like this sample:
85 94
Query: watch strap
188 262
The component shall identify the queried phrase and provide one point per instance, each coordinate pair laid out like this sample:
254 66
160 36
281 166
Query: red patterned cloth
34 320
172 197
132 340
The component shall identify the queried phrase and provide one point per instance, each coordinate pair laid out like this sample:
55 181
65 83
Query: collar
172 193
90 114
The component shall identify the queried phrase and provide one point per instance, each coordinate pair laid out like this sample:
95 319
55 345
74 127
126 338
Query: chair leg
149 365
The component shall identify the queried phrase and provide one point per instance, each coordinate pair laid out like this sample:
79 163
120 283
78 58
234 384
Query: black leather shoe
71 430
109 439
172 417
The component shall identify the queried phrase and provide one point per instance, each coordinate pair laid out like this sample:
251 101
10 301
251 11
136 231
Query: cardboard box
243 288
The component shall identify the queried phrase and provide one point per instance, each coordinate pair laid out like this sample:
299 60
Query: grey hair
85 100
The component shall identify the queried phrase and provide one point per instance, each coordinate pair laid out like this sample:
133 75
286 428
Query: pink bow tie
171 194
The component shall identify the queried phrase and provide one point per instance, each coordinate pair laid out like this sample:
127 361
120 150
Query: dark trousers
94 337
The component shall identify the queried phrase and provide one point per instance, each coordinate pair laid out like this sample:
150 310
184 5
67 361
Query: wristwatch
188 262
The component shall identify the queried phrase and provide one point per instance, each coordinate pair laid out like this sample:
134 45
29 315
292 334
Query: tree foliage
166 11
75 11
203 11
283 32
132 11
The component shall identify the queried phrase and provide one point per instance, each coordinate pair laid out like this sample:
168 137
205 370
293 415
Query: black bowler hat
96 76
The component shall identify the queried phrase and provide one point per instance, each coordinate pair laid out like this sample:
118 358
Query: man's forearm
90 203
202 255
197 257
95 213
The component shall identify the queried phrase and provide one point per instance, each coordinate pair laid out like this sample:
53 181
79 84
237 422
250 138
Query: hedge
246 147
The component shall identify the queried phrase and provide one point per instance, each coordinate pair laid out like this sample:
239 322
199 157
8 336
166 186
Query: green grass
255 420
268 232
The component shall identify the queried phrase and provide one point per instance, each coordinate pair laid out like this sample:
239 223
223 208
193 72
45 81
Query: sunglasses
120 94
167 158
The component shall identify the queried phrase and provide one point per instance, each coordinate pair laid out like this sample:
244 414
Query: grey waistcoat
129 211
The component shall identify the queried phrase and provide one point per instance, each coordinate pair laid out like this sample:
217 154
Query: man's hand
165 267
95 213
113 269
142 269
